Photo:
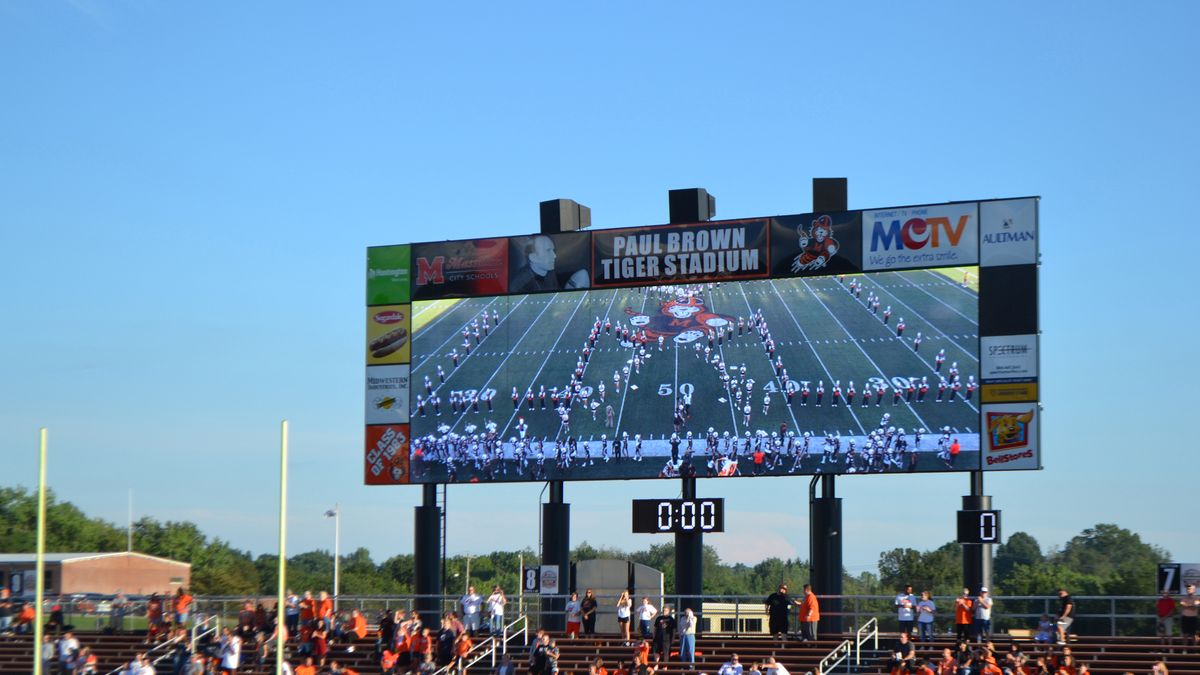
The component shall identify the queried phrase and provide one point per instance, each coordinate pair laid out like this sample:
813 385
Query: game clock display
652 516
979 527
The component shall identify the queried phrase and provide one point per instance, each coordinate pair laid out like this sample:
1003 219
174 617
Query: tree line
1101 560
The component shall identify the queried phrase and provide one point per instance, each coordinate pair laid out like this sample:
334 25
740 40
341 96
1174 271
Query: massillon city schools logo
683 320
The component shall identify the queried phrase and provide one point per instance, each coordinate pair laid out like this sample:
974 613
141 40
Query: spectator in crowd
1066 615
983 616
902 653
964 613
307 668
773 667
539 655
1159 668
809 614
624 616
1189 613
574 616
589 605
336 668
230 652
495 604
68 645
506 667
731 667
470 604
906 605
1046 631
687 636
182 606
948 665
154 618
778 606
664 634
645 615
462 649
1165 609
641 667
6 611
926 611
325 612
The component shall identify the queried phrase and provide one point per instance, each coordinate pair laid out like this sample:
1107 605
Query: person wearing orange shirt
358 624
336 668
642 651
810 614
962 615
308 608
325 611
462 647
420 644
308 668
183 604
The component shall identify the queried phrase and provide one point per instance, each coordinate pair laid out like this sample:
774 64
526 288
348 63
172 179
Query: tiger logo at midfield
683 320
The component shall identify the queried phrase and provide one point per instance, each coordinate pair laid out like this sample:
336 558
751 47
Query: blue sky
187 189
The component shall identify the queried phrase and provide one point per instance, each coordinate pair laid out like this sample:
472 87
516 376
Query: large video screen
844 343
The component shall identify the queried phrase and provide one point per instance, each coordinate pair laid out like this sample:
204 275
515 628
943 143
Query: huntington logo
431 272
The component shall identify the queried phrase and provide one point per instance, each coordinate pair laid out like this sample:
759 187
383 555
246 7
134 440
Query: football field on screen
823 331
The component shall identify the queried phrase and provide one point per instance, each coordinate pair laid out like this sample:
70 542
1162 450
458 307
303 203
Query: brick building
106 573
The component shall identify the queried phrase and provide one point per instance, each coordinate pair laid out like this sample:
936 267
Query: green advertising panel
388 275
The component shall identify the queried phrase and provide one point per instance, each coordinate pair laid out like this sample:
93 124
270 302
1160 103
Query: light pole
336 514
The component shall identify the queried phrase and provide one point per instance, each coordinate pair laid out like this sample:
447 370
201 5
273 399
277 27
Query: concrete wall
607 578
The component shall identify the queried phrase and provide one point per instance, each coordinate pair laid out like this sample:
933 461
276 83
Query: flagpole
41 558
281 601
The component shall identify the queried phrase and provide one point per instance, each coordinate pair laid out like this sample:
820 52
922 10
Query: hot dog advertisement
388 339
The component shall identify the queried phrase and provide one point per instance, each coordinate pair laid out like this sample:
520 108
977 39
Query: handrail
505 637
484 647
834 658
859 639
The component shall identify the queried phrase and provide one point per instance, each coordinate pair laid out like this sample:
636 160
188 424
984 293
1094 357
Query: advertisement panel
1012 441
455 269
387 394
945 235
667 254
1008 232
549 262
1008 358
387 454
388 274
814 244
388 334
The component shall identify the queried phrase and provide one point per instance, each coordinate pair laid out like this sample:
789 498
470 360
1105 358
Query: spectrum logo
917 233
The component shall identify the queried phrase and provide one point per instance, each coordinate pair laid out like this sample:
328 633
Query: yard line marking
933 326
882 374
795 424
947 305
725 391
456 332
804 335
946 281
501 365
546 360
628 380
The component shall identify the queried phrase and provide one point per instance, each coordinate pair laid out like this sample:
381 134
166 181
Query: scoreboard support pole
825 552
690 205
556 551
977 558
825 512
689 562
427 569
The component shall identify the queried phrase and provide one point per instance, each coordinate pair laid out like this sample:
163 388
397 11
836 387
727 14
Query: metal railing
507 637
835 658
487 648
867 631
743 614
